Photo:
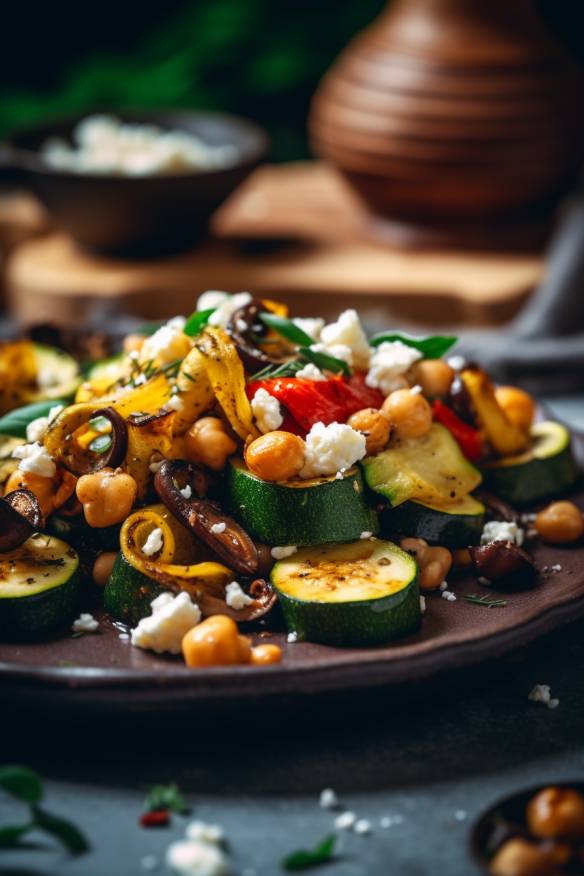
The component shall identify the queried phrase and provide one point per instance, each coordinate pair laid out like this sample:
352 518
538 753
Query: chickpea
51 492
409 412
560 523
374 426
517 404
107 496
416 546
208 443
262 655
461 558
519 857
133 343
216 642
434 562
102 568
276 456
434 376
556 812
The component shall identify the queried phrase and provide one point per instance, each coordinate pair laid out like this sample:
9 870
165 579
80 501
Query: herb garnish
475 599
431 347
197 322
25 785
287 328
303 859
324 361
165 797
101 444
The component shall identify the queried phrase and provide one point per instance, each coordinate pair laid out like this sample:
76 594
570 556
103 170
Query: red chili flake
158 818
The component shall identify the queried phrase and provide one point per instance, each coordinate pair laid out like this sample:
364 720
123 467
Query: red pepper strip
469 439
158 818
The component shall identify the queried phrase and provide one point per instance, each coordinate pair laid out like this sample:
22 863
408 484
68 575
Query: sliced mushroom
245 328
20 517
204 517
501 559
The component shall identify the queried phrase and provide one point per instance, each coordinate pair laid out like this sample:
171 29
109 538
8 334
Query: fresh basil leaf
431 347
15 422
22 782
304 859
165 797
197 322
287 329
63 830
324 361
10 835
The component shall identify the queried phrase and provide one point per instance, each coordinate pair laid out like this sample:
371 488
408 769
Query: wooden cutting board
292 231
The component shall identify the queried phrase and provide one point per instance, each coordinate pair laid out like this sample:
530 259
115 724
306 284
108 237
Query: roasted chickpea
433 375
102 567
374 426
107 496
519 857
409 412
263 655
560 523
51 492
556 813
461 558
276 456
216 642
434 562
415 546
517 404
208 443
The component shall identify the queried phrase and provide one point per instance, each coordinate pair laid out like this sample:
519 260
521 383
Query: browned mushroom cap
20 517
204 519
260 590
245 327
501 559
107 450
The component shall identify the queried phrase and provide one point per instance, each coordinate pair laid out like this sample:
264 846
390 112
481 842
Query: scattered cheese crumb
347 331
416 390
187 492
448 595
310 372
391 820
85 623
362 827
235 597
166 345
211 299
207 833
218 528
291 638
266 410
338 351
345 821
328 799
153 543
312 327
280 553
365 535
457 363
444 585
124 636
556 568
460 815
331 448
501 530
172 617
34 459
36 429
227 308
149 862
422 604
541 693
389 362
196 858
174 403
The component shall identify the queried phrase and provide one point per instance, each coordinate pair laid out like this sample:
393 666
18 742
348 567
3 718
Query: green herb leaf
101 444
15 422
63 830
100 424
324 361
165 797
431 347
303 859
287 329
197 322
486 601
288 369
22 782
10 835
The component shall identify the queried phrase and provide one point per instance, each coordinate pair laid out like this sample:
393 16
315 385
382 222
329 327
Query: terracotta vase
457 121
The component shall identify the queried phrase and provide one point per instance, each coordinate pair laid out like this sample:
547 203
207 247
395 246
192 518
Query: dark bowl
144 215
510 809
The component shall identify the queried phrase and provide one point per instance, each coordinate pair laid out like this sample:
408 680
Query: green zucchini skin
444 527
84 538
539 474
23 617
128 593
326 510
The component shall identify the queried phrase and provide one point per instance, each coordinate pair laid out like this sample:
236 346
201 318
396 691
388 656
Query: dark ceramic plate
104 672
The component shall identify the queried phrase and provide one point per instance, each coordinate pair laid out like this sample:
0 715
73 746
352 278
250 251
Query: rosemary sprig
475 599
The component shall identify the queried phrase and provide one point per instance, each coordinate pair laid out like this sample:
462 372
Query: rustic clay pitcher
457 121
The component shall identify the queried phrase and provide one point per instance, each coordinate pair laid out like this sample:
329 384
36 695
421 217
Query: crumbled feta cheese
347 331
345 821
457 363
556 567
292 638
280 553
34 459
328 799
416 390
85 623
266 410
196 858
218 528
207 833
174 403
499 530
211 299
187 492
338 351
312 327
310 372
177 322
460 815
149 862
448 595
36 429
391 820
153 543
172 617
235 597
331 448
444 585
422 604
227 308
389 361
541 693
362 827
164 346
365 535
124 636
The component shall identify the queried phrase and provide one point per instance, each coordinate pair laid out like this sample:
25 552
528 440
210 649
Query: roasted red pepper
158 818
468 438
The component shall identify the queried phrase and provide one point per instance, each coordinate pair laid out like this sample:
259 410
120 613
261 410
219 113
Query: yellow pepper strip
227 378
277 307
59 440
147 399
506 437
196 392
151 439
18 374
202 580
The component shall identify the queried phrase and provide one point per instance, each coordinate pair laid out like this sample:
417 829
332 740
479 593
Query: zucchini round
57 373
349 595
128 593
40 586
84 538
547 469
318 511
453 526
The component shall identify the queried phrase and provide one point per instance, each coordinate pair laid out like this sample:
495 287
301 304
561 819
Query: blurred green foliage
259 58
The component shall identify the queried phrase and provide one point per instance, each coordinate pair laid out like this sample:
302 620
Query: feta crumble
280 553
212 299
338 351
457 363
174 403
236 598
312 326
460 815
218 528
347 331
227 308
328 799
541 693
36 429
34 459
391 820
187 492
365 535
389 362
85 623
207 833
500 530
177 322
310 372
149 862
444 585
362 827
164 346
153 543
172 617
448 595
345 821
196 858
266 410
292 638
331 448
423 604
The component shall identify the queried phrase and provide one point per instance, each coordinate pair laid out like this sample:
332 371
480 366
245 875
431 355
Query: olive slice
110 450
20 517
245 327
501 559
